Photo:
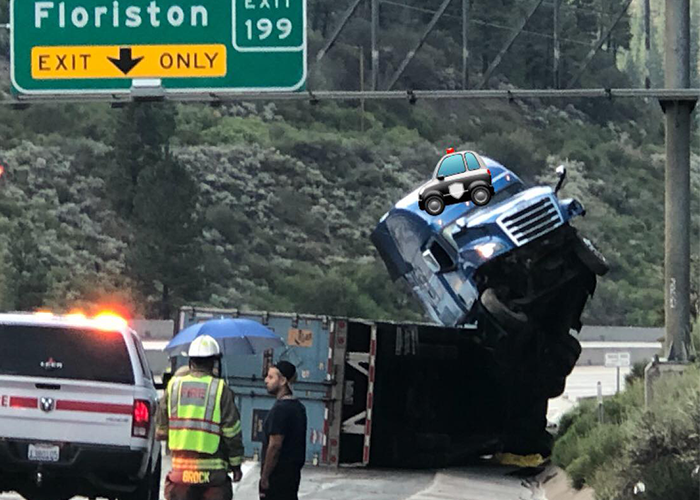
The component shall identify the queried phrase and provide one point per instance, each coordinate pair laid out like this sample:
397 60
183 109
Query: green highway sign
198 46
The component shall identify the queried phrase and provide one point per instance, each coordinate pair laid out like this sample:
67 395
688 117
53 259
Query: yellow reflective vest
199 419
194 410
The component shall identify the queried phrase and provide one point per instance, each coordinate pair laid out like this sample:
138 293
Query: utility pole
555 69
375 49
465 45
647 44
362 86
677 203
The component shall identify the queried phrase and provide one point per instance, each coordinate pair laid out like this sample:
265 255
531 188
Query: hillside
270 205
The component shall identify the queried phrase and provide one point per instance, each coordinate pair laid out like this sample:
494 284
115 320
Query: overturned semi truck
504 284
516 267
387 394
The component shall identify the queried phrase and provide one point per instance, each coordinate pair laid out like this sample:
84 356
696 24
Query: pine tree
140 139
166 256
158 195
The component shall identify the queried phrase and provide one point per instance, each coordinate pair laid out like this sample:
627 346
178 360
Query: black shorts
284 483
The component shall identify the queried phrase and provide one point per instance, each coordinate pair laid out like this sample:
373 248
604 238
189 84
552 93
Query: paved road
480 482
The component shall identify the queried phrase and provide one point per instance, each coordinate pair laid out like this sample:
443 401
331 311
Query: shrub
636 373
657 446
602 445
520 151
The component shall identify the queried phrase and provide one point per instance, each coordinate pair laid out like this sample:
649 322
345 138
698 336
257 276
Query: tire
434 204
554 387
591 257
502 313
560 360
155 480
149 486
480 195
568 350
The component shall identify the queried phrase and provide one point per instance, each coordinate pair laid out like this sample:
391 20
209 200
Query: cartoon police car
459 177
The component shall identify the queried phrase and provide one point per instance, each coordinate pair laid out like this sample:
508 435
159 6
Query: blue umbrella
235 336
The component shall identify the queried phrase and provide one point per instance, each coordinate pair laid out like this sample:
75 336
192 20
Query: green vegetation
270 205
657 446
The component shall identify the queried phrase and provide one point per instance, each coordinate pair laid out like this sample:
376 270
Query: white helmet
204 346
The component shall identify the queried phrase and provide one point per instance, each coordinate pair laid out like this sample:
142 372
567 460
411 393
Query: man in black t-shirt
284 437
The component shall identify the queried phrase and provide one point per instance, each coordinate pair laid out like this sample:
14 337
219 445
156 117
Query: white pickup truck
77 409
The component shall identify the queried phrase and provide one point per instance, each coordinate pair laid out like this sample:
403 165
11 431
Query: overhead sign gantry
198 46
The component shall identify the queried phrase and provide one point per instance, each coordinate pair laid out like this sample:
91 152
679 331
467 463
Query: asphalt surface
480 482
485 482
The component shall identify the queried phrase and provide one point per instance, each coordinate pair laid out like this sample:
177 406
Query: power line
589 9
482 23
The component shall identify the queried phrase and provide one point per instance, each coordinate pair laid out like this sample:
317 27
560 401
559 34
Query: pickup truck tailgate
65 384
67 411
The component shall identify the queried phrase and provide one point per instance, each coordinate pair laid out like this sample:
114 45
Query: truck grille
531 222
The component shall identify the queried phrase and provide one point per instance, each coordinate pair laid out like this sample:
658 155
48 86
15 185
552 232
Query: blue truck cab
509 257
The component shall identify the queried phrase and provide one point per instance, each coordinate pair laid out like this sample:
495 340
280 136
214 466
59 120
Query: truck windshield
67 353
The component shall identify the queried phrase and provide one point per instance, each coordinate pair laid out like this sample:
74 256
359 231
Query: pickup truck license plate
43 453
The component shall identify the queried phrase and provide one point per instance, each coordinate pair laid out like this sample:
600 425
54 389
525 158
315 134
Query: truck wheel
590 256
480 196
554 387
434 205
149 486
502 313
155 480
568 350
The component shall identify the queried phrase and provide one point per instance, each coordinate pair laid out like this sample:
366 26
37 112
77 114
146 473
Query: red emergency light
450 150
2 170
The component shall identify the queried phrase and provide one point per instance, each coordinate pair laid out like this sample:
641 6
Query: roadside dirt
556 486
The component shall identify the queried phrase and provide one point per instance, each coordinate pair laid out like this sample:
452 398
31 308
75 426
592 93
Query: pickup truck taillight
141 421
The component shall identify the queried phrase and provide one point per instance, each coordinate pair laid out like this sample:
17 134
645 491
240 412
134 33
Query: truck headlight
487 250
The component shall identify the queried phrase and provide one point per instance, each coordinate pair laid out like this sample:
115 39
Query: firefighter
199 419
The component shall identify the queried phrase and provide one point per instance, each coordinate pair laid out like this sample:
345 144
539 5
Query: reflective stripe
231 431
199 464
194 424
235 461
174 392
181 461
189 430
211 400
